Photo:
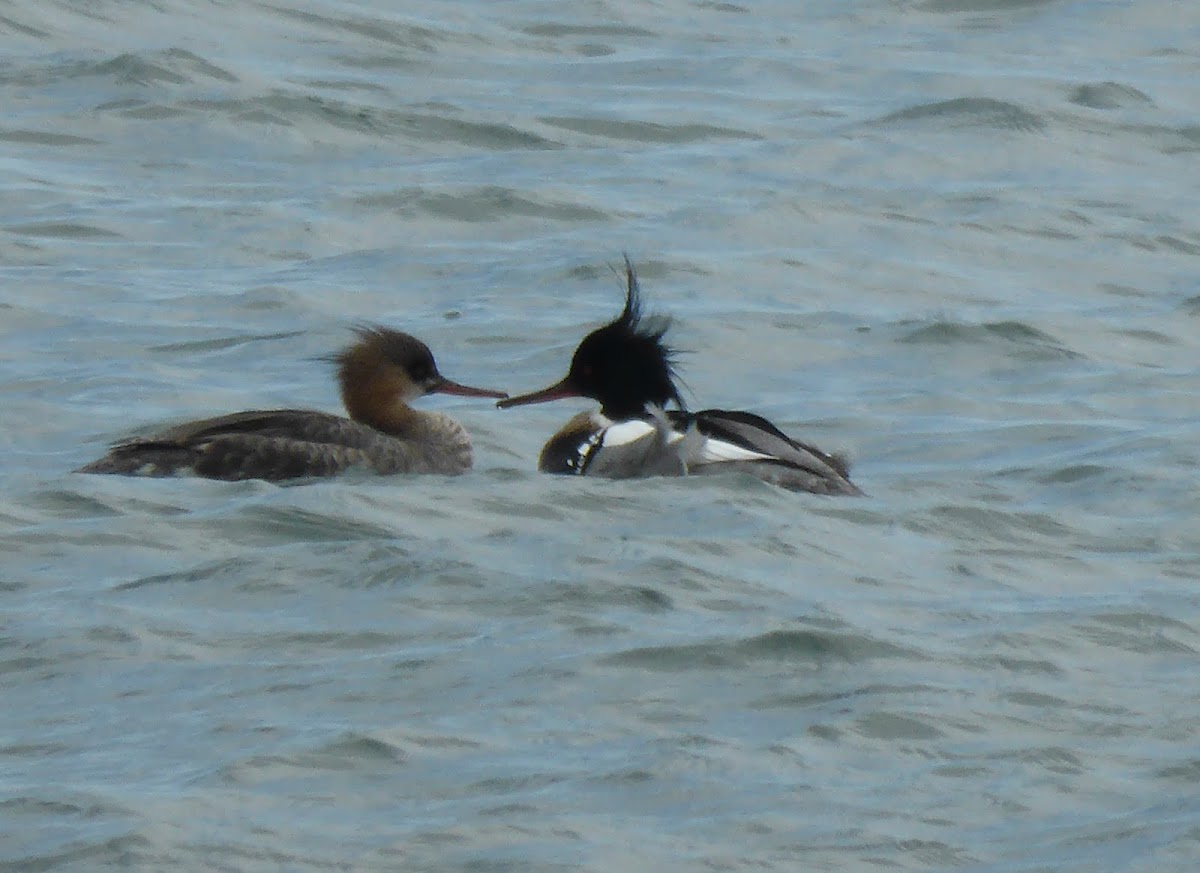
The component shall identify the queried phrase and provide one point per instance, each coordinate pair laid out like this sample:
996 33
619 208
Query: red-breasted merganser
379 375
627 367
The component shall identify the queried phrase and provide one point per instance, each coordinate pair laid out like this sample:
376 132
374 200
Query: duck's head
625 364
385 366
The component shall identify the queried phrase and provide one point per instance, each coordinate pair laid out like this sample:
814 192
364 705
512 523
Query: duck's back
680 443
741 441
286 444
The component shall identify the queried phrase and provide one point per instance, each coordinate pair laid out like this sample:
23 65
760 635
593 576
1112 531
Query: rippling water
957 238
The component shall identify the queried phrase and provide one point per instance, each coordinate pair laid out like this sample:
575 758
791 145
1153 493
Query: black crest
626 365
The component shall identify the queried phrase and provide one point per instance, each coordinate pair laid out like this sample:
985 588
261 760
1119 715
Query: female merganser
379 375
628 368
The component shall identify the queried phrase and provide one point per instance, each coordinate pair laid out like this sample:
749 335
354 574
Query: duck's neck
385 413
624 410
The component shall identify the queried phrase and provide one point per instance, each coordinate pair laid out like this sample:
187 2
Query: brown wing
259 444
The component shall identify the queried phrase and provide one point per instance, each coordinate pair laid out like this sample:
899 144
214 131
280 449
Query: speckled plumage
289 443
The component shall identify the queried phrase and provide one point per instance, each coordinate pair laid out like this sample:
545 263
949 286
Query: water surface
956 239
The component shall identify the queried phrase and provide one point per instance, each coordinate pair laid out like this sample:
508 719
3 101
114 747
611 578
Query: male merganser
628 368
379 374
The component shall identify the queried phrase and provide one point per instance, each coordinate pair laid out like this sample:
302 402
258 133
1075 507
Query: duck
628 367
379 375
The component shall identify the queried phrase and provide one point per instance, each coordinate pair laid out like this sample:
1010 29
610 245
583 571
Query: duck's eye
421 371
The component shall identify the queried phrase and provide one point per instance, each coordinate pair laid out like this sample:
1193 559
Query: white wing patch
637 447
716 451
627 432
675 448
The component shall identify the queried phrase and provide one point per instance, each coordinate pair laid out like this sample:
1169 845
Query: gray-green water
958 239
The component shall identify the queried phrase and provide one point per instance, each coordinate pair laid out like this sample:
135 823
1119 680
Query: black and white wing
743 441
